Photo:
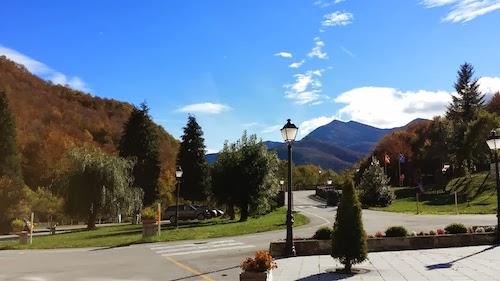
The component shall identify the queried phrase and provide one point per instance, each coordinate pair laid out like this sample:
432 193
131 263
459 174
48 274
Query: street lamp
289 132
493 142
329 182
178 175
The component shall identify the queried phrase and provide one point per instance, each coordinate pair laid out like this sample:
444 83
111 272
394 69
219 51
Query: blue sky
250 65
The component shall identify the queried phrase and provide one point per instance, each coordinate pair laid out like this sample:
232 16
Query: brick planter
256 276
149 228
324 247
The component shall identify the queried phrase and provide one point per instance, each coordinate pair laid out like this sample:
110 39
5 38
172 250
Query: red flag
387 159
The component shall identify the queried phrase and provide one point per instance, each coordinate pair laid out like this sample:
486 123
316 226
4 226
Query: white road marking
198 248
209 250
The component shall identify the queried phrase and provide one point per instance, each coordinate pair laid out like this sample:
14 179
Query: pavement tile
468 263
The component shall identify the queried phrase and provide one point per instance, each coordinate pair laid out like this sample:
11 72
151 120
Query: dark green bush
324 233
333 198
456 228
396 231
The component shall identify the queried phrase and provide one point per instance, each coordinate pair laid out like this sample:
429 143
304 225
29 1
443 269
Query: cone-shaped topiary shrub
349 237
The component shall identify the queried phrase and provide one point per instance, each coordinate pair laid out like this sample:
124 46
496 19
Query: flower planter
256 276
149 228
323 247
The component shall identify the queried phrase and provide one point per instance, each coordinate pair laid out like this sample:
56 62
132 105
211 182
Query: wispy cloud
271 129
251 124
284 54
204 108
317 50
348 52
326 3
297 64
464 10
337 19
306 89
44 71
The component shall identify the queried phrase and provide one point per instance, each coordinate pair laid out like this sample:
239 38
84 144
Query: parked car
187 212
214 211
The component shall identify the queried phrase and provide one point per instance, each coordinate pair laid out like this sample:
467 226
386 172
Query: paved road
214 259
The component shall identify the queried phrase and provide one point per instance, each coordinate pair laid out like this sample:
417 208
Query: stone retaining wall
323 247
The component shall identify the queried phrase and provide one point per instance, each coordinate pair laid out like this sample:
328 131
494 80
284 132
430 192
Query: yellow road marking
192 270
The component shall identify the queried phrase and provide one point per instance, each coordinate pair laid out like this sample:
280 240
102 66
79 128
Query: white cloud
204 108
389 107
310 125
317 50
464 10
43 70
271 129
284 54
489 85
211 150
306 89
297 64
337 19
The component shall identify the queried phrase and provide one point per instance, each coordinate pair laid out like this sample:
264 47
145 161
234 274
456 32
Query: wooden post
418 211
159 218
456 202
32 227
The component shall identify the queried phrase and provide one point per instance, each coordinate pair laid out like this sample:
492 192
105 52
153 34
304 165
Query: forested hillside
51 118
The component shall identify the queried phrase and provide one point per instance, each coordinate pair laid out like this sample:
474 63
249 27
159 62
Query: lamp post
289 132
493 142
178 175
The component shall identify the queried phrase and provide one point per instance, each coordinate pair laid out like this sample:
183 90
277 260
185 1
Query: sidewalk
468 263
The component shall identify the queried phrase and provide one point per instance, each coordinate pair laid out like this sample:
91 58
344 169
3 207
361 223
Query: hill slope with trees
52 118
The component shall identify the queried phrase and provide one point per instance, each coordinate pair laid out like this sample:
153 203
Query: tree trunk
230 211
91 221
348 266
244 212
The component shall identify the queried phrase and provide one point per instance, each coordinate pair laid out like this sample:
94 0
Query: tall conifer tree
10 161
461 112
349 237
191 158
140 143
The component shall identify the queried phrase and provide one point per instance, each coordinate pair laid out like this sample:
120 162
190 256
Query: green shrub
349 238
17 225
324 233
456 228
396 231
148 213
333 197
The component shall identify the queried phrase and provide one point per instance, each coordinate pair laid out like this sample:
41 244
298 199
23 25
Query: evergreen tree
10 161
225 176
349 238
191 158
140 143
461 112
468 100
374 186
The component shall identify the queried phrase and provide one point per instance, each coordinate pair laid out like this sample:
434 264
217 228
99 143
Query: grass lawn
480 189
116 236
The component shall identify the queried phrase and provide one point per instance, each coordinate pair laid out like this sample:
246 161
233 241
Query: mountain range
337 145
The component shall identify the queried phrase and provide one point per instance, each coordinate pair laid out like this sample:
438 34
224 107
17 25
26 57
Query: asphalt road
214 259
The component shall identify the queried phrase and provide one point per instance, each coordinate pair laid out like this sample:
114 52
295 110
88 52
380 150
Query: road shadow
450 263
334 274
204 273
